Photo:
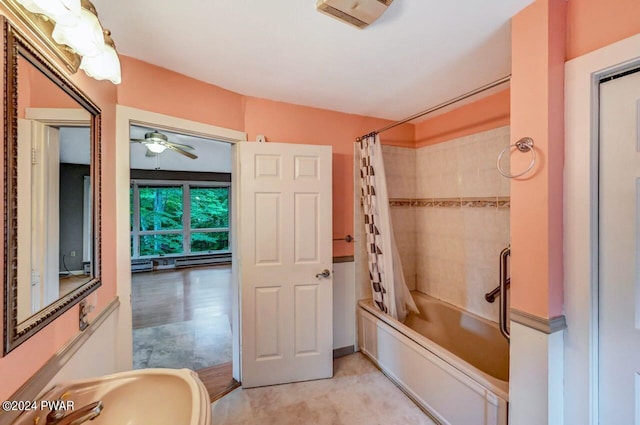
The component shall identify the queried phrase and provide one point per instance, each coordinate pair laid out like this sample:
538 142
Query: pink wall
592 24
537 111
24 361
283 122
35 90
482 115
181 96
43 92
24 88
151 88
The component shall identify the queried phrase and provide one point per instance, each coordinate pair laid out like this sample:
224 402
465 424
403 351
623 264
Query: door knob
325 273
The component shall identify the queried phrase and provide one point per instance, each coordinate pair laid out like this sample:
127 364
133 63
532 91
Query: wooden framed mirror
52 191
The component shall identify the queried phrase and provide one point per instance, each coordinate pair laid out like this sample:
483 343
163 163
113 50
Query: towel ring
523 145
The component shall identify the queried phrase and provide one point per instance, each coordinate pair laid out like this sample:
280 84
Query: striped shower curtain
390 292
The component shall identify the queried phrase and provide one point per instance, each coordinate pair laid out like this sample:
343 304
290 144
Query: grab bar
491 296
504 306
347 239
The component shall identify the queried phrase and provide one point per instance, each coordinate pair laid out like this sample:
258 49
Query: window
179 218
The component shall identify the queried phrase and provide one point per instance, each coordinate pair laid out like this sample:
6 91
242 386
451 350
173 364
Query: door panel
306 235
619 251
306 319
267 235
285 241
268 340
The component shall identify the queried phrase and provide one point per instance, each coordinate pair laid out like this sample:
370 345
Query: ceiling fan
156 143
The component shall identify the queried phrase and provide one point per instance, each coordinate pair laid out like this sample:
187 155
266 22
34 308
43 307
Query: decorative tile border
503 202
400 202
447 202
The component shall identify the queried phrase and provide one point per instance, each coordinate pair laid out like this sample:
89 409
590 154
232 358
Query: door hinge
34 156
35 278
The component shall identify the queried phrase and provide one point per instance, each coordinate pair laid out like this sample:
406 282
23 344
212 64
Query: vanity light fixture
84 35
106 65
77 29
66 12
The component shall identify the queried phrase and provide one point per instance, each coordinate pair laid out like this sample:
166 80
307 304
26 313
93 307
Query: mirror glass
51 195
54 195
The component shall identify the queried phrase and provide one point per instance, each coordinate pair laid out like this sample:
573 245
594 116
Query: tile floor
181 318
183 344
358 394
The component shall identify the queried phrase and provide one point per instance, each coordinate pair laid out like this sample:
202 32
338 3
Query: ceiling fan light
156 147
84 36
64 11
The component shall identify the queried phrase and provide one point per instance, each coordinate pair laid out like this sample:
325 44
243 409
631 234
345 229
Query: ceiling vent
359 13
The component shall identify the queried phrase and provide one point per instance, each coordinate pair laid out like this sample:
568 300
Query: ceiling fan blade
180 151
138 140
181 145
149 153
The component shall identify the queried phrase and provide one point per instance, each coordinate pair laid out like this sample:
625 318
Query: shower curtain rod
440 106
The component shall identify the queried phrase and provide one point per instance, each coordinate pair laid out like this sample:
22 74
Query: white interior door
45 210
619 349
28 281
284 243
38 213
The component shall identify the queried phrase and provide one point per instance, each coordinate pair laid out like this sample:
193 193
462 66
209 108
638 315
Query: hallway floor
358 394
181 318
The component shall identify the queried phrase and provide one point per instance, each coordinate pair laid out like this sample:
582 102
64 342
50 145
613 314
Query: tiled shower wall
450 211
400 169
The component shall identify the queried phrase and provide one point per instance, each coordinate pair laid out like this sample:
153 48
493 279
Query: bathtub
453 364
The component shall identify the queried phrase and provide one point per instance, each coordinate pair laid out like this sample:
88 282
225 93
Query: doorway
56 197
182 288
180 254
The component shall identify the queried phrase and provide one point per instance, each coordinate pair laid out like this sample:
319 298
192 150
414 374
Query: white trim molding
69 117
581 222
548 326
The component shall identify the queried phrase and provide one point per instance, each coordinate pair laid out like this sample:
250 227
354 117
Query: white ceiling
75 145
420 53
213 156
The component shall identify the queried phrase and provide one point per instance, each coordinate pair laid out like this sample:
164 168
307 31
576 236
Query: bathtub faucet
77 417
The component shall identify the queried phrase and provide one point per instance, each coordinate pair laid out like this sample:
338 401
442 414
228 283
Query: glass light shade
155 147
105 66
85 36
66 12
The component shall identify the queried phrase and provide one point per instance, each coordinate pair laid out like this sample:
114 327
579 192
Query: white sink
140 397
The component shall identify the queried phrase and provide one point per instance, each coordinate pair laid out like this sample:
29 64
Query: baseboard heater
200 261
141 266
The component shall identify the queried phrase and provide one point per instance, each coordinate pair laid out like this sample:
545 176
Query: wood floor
193 294
216 380
164 297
